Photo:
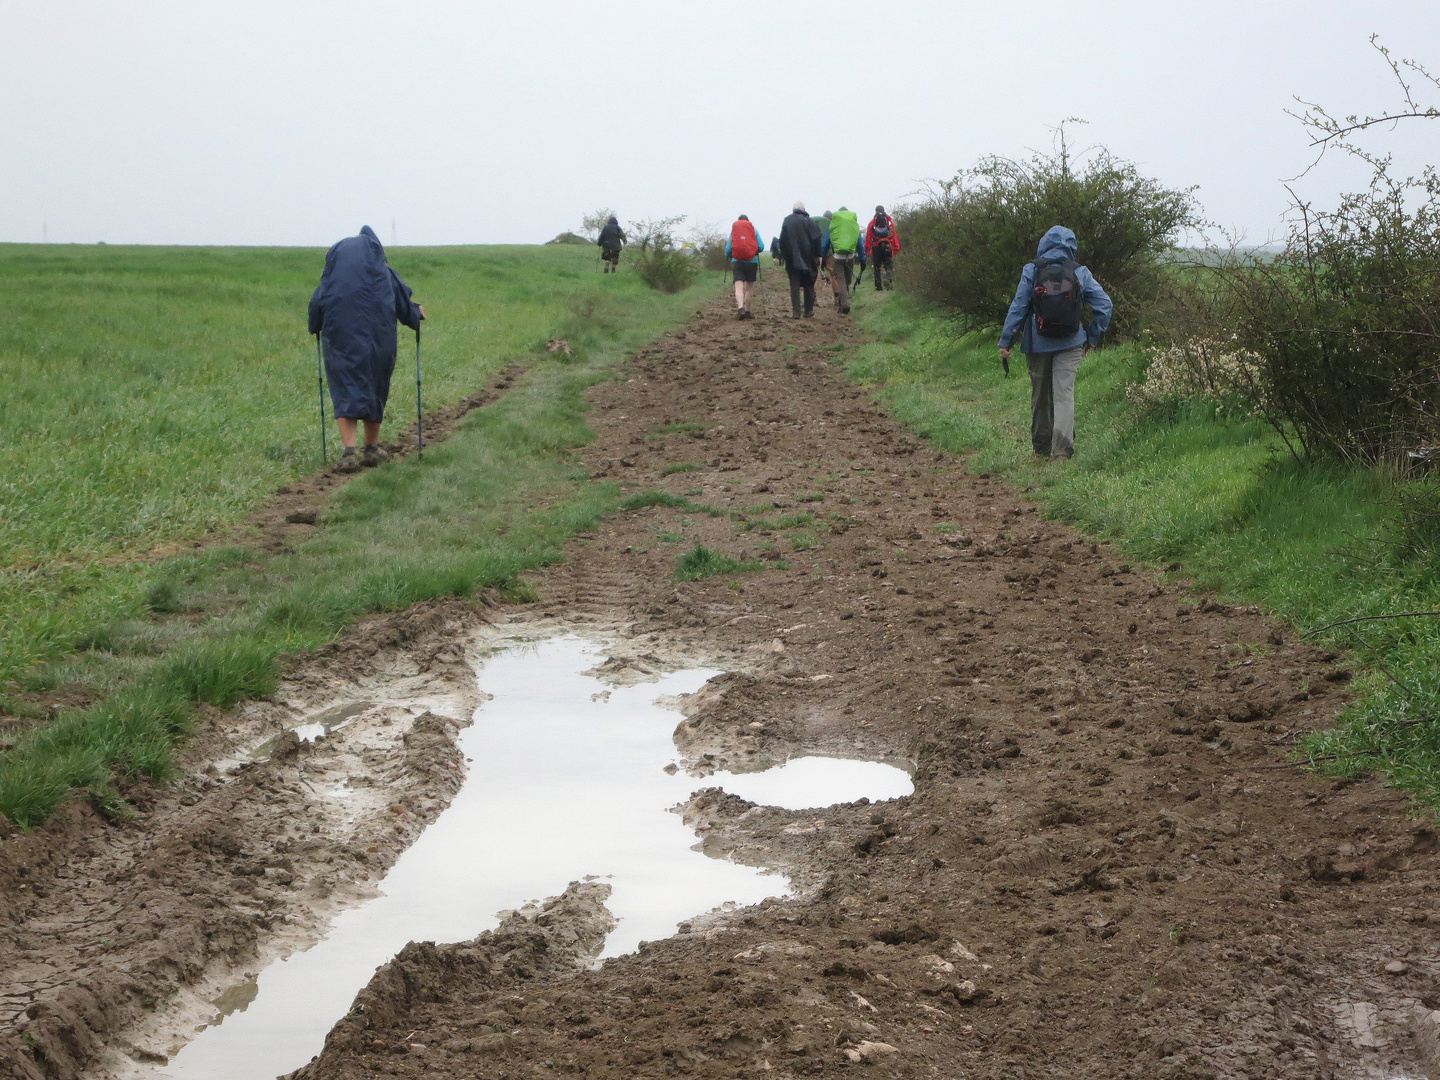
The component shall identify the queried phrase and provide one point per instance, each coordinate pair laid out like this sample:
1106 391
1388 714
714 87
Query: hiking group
807 251
360 299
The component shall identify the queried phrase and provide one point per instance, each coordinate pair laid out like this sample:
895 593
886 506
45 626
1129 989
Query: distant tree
591 224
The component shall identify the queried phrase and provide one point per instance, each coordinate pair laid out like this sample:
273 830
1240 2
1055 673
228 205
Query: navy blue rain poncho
355 309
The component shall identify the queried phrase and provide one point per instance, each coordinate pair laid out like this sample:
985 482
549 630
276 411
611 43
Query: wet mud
1107 867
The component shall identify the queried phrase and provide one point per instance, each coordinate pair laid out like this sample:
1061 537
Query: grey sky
294 123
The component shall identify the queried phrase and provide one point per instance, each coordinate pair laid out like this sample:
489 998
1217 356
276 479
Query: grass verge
498 498
1305 540
154 395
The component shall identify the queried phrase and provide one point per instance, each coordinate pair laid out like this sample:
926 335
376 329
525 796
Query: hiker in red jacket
743 249
882 244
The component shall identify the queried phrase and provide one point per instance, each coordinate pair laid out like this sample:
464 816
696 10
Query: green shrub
1345 322
967 240
659 258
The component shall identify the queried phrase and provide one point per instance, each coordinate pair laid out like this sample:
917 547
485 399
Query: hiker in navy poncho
354 310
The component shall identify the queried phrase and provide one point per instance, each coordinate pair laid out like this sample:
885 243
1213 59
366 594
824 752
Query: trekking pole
419 415
320 368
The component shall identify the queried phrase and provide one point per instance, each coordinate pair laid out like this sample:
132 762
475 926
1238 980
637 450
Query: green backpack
844 231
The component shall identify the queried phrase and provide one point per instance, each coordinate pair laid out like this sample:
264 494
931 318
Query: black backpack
1057 300
882 228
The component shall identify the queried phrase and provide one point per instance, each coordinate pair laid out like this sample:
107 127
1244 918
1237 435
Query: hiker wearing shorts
612 239
883 244
842 247
1049 314
800 245
354 310
743 248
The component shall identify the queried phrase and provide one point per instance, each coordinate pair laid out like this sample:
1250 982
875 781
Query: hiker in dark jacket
354 310
612 239
776 255
800 245
1053 354
883 244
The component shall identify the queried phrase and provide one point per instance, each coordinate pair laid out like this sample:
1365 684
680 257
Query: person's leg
739 294
879 259
796 284
840 275
809 297
348 427
1042 402
749 294
1064 366
372 432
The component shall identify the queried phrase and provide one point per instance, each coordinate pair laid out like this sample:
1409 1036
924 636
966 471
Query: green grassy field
147 639
1306 540
157 394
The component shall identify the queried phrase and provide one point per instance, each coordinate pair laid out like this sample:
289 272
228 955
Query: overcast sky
262 122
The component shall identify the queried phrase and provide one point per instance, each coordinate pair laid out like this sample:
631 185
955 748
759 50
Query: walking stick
320 368
419 420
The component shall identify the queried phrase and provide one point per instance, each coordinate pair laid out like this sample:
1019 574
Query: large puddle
566 779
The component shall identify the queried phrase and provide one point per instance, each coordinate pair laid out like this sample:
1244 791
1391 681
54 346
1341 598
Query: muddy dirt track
1106 870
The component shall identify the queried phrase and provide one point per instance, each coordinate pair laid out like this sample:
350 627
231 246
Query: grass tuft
702 562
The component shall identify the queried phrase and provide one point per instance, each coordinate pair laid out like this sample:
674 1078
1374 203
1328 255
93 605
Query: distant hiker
843 246
354 310
743 250
775 255
883 244
1050 303
800 242
612 239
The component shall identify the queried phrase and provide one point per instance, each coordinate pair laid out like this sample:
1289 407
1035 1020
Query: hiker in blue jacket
1048 314
354 310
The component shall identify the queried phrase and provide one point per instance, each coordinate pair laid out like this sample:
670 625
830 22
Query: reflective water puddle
566 779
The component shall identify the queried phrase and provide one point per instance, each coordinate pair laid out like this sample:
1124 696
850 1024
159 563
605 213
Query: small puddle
318 726
566 779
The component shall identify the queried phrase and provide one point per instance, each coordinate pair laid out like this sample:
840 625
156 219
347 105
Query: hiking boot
349 461
375 454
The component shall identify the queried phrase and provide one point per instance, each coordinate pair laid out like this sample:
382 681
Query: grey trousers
1052 400
842 266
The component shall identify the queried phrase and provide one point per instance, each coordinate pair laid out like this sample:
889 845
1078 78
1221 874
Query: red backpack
743 245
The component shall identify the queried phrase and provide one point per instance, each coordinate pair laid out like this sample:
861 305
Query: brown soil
1107 868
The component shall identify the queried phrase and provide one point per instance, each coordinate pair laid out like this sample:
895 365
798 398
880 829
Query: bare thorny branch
1327 130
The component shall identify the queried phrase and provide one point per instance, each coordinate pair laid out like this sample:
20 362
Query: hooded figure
612 239
1057 245
1054 361
355 309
